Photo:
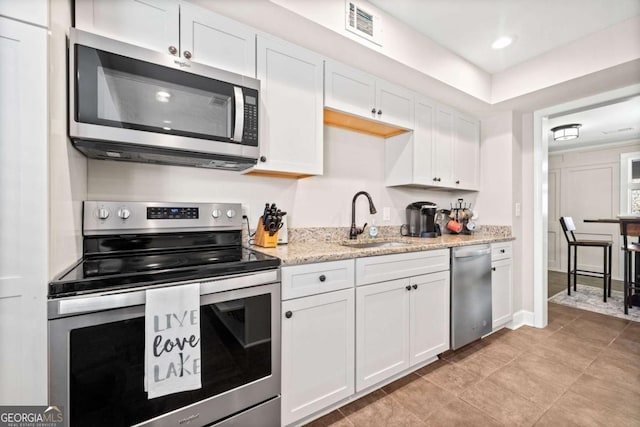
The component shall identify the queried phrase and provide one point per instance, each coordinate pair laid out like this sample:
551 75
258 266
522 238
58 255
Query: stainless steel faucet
354 231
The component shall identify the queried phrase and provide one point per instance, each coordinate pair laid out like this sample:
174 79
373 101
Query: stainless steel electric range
96 317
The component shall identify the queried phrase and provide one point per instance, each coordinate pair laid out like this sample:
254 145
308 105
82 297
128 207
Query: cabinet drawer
311 279
390 267
501 251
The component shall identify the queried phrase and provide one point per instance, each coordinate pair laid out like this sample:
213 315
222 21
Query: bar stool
629 228
568 227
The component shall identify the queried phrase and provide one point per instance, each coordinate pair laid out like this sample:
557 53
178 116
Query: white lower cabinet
317 353
382 338
429 316
501 284
338 340
401 322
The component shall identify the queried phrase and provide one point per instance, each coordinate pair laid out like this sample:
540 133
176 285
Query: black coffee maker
421 220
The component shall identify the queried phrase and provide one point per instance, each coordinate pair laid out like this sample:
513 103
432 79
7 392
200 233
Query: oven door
126 94
97 361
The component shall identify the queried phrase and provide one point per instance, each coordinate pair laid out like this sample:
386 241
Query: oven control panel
107 217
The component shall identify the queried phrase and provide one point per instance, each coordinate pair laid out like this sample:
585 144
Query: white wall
67 167
353 162
495 197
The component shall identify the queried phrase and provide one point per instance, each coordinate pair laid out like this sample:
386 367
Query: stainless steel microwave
132 104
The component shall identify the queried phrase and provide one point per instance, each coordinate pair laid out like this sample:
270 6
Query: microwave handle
239 126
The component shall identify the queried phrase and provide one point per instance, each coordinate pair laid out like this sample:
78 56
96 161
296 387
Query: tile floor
583 369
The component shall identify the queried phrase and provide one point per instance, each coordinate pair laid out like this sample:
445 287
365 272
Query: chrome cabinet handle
187 54
263 159
173 50
288 314
415 286
493 269
379 112
408 287
502 251
373 110
322 278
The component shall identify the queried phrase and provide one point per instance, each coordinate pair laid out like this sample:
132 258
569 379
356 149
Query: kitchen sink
373 244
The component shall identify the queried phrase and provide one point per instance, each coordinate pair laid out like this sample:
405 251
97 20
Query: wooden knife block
262 237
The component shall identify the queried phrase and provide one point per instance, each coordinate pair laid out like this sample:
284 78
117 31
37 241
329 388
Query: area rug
590 298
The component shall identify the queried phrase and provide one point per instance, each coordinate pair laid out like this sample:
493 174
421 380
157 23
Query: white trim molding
540 188
522 318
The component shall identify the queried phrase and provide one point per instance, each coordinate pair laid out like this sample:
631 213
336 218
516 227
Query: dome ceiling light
566 132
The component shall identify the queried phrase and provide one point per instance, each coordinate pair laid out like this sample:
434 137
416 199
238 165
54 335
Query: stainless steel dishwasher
470 294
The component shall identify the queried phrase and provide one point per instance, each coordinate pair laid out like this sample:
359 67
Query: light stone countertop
304 252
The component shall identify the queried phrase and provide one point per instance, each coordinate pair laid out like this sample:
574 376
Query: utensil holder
263 238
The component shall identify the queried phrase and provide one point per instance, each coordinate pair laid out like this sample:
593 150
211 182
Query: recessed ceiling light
502 42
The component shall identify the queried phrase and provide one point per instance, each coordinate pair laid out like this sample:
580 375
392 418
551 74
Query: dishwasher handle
471 253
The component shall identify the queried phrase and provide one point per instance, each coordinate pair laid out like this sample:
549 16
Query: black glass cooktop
126 261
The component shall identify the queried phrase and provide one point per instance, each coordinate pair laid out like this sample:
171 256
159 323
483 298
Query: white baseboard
521 318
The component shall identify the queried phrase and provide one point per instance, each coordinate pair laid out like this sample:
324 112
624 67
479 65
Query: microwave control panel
250 133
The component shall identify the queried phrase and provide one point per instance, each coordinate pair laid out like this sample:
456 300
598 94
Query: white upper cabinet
291 127
443 143
394 104
349 90
357 93
466 171
178 28
32 11
443 151
215 40
153 24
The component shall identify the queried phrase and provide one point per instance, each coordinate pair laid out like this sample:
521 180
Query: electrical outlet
245 210
518 209
386 213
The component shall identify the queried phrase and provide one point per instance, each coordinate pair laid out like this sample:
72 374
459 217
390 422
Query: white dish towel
172 340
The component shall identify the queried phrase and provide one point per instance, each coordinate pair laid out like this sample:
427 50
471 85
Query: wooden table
635 299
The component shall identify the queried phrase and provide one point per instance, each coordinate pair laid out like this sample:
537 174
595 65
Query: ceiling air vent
363 22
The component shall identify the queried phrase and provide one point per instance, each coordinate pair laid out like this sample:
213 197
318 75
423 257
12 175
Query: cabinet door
423 142
382 331
290 108
349 90
317 353
443 146
394 104
501 292
153 24
217 41
33 11
429 333
467 152
23 213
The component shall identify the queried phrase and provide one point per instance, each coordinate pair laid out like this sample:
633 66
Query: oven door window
107 363
116 91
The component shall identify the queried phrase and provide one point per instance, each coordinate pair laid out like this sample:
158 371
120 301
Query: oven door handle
93 303
239 124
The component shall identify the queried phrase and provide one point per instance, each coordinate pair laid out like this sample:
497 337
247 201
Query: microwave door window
133 100
123 92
